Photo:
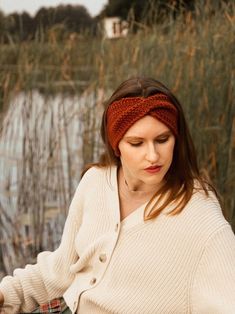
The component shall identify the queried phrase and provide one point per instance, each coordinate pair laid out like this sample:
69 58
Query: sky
32 6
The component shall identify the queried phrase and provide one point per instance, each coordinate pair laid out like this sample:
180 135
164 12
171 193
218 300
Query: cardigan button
93 281
116 227
103 258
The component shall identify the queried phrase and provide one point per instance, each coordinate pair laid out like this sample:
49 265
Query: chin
153 181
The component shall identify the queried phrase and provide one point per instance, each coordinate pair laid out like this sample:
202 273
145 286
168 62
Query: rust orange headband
123 113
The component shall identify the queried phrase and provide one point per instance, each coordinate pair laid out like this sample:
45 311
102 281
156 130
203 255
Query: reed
192 54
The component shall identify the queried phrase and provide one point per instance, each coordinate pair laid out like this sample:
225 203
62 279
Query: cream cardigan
172 264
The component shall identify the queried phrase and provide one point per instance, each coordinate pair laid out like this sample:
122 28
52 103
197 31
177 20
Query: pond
44 143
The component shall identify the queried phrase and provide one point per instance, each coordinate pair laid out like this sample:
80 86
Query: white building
115 27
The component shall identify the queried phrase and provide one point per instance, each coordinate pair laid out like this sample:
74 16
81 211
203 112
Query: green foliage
74 18
140 8
22 27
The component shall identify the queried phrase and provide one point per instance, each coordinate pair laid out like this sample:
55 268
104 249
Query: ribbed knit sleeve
51 275
213 290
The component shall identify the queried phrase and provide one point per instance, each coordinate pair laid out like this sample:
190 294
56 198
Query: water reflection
44 143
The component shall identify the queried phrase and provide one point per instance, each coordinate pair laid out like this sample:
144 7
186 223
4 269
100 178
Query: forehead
146 126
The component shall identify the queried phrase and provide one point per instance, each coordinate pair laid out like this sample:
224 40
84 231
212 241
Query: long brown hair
183 172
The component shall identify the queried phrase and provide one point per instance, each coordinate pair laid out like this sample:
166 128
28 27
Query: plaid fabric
53 306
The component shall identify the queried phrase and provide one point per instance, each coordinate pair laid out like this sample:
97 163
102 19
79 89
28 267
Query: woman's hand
1 299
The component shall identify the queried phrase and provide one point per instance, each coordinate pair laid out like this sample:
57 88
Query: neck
130 189
134 189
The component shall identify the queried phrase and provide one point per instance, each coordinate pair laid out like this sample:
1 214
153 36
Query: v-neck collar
134 217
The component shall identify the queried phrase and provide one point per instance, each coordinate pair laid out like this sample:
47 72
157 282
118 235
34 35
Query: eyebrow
141 138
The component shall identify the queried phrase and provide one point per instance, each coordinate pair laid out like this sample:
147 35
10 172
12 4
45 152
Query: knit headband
123 113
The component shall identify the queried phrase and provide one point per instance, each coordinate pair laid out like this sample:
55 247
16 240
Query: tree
2 26
19 26
74 18
141 8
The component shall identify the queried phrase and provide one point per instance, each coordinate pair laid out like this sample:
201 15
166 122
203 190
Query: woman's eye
135 144
162 140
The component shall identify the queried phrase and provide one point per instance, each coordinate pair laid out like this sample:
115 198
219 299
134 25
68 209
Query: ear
117 152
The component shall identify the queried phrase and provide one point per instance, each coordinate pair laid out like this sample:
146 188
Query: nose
152 154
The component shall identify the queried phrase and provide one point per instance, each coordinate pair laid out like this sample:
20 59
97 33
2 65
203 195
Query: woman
145 232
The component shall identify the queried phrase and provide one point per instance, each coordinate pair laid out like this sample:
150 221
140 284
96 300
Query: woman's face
146 153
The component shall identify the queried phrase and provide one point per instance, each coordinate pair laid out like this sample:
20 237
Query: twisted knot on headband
123 113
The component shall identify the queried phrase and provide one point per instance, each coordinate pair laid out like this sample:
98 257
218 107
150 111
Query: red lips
153 169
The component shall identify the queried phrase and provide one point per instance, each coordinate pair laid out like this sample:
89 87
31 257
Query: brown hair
183 172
